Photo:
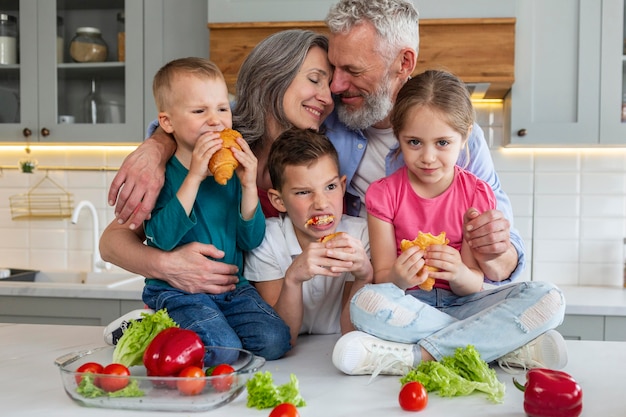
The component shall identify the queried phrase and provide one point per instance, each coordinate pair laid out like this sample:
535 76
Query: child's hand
346 248
405 272
247 169
311 262
447 260
204 149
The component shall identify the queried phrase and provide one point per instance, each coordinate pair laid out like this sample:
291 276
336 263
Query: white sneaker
546 351
358 353
117 327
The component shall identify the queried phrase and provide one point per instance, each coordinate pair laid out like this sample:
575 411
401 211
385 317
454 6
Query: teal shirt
215 218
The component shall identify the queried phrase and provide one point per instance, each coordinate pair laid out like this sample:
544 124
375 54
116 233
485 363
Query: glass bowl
160 393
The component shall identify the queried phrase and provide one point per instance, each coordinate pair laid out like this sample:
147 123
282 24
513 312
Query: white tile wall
54 244
570 208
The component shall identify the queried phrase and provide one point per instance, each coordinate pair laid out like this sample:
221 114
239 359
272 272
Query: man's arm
500 250
136 185
187 267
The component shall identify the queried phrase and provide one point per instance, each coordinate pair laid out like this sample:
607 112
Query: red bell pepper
172 350
551 393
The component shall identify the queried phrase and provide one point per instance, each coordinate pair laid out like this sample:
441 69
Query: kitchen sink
107 279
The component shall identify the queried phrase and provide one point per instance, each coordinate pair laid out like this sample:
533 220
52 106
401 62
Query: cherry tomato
118 379
413 396
221 384
285 410
195 384
89 367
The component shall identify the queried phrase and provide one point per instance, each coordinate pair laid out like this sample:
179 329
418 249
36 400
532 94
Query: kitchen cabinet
60 310
306 10
569 74
39 88
590 327
46 86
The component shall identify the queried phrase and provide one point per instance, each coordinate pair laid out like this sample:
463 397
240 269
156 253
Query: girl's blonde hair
441 91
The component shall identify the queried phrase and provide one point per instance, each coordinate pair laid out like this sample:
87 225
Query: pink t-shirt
391 199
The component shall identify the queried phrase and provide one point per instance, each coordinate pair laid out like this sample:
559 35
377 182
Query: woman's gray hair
264 77
396 21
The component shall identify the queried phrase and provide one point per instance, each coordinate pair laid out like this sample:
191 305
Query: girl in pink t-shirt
399 325
432 120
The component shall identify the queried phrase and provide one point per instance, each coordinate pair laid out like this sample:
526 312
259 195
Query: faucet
97 264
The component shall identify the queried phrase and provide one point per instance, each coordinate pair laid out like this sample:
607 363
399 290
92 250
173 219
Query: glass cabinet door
78 75
613 78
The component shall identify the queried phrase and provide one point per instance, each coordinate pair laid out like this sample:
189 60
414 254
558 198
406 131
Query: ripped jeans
495 321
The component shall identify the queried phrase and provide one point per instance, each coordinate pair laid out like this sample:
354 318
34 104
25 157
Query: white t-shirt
372 166
321 295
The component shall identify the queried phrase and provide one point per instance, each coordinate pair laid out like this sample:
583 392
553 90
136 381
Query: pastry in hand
423 240
223 163
330 236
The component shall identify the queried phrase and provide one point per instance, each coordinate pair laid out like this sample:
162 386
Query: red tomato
222 384
413 396
285 410
89 367
195 384
118 379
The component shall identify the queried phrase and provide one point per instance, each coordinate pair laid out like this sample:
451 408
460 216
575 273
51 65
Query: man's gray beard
375 108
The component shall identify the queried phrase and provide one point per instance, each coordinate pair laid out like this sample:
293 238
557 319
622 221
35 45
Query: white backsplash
569 207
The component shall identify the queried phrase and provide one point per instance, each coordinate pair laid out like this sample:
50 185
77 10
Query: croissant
423 240
222 164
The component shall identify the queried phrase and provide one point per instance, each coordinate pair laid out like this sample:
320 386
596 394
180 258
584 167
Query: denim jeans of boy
238 318
495 321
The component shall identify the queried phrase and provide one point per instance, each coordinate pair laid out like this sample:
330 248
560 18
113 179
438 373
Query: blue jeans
495 321
238 318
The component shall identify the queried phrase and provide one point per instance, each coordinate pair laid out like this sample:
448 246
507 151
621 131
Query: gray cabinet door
615 329
613 78
47 89
582 327
556 95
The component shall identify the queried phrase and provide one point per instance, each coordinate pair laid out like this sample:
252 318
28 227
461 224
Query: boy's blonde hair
162 83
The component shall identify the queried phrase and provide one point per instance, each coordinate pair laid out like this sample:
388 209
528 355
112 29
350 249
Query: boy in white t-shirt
309 282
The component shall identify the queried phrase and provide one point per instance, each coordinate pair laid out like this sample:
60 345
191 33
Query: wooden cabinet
569 71
39 88
478 50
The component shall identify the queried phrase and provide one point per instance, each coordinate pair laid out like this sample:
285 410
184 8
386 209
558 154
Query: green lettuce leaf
88 389
131 346
458 375
131 390
263 393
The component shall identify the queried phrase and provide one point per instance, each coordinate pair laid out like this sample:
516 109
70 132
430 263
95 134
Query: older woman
284 82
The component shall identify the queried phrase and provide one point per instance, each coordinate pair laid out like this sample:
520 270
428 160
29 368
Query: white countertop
599 301
30 384
125 291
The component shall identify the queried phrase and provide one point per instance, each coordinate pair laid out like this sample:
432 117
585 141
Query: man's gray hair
396 21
